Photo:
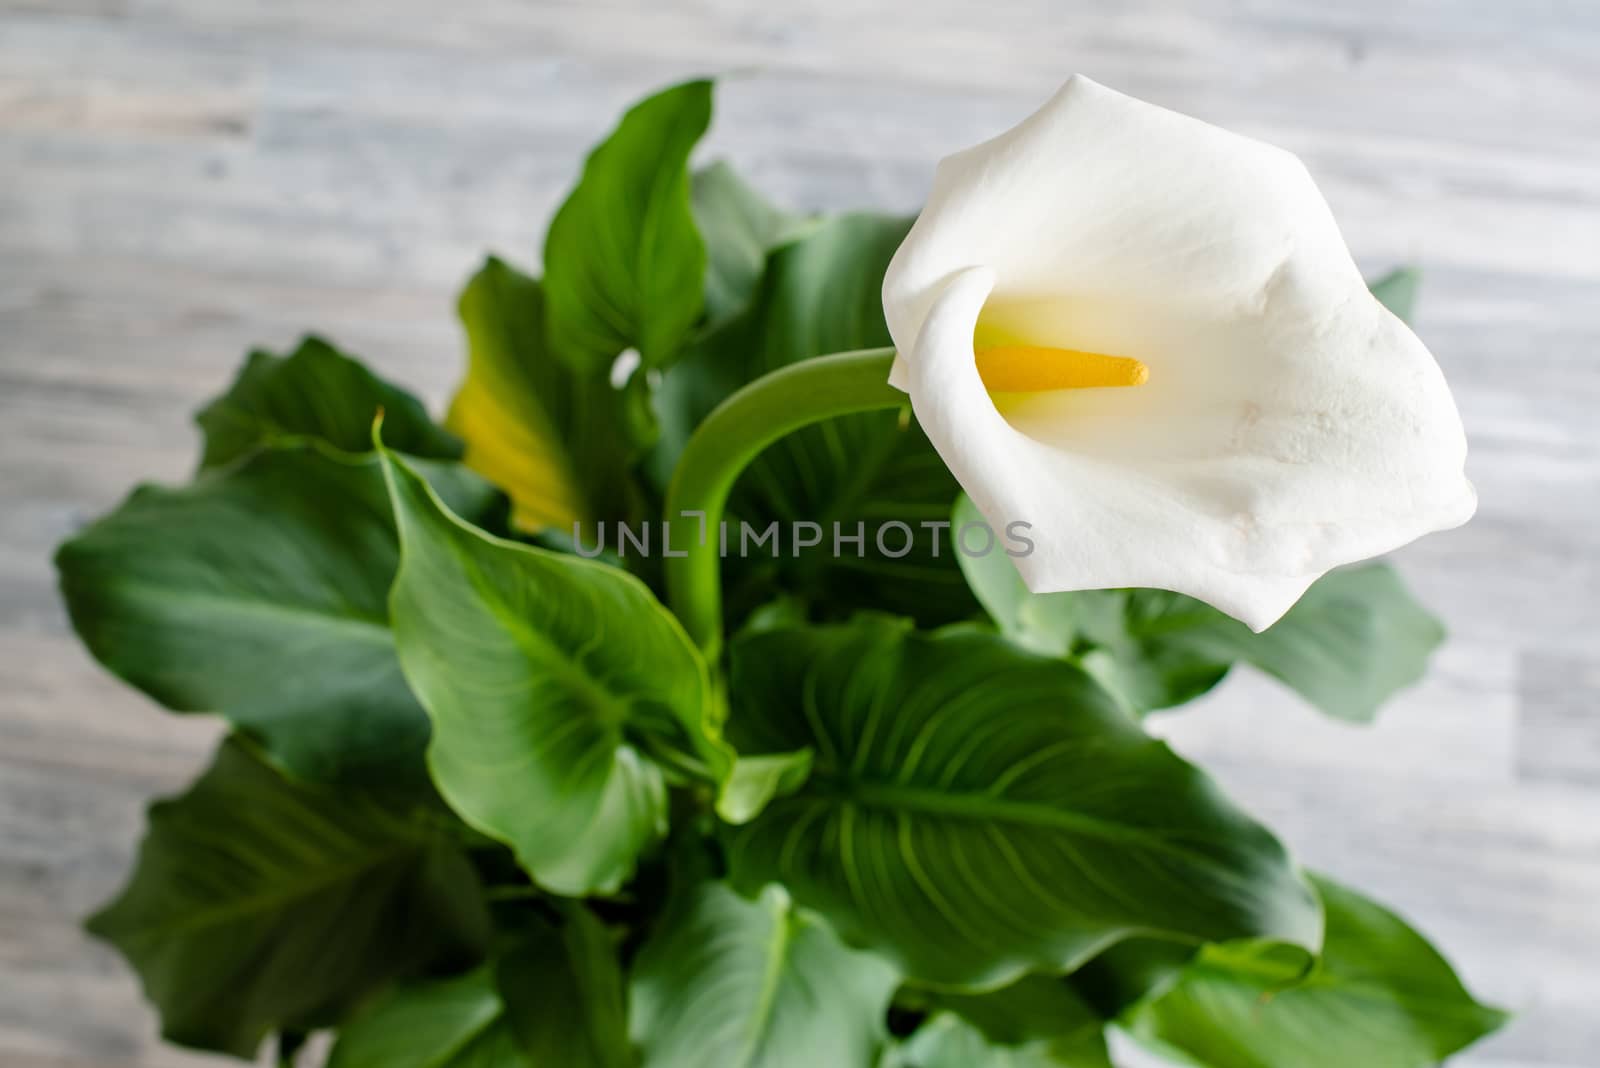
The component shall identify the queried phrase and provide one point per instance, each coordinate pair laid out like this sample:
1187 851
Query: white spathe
1290 423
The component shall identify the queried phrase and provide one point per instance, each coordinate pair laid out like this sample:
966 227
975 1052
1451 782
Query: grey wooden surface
181 179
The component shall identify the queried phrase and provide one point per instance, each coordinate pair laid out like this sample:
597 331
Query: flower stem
733 435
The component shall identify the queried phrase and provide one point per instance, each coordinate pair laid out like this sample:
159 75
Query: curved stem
731 436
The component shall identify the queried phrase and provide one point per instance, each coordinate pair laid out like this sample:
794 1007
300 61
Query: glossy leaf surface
976 811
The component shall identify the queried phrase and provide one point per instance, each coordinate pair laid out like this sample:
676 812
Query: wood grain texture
182 179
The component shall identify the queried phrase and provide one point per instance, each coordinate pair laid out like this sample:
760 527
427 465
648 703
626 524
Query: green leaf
554 997
449 1023
316 392
1133 970
737 983
555 685
739 227
946 1041
756 780
1355 638
821 294
1397 290
624 263
1040 1017
258 592
564 995
258 904
1033 1008
976 812
1380 997
552 437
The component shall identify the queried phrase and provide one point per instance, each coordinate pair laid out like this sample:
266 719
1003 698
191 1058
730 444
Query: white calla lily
1144 337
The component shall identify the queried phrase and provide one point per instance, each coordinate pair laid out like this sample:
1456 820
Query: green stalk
734 434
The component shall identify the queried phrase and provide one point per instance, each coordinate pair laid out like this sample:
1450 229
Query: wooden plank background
181 179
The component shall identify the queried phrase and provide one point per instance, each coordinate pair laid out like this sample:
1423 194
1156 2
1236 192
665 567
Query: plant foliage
486 802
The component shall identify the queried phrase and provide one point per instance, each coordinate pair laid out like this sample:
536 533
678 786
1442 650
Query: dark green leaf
259 904
555 997
564 997
1354 639
555 685
822 294
737 983
450 1023
1034 1007
1379 997
976 812
946 1041
739 227
258 592
1398 291
316 392
1133 970
624 263
553 438
1060 1016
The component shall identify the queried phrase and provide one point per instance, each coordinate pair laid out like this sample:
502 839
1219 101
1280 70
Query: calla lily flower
1144 337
